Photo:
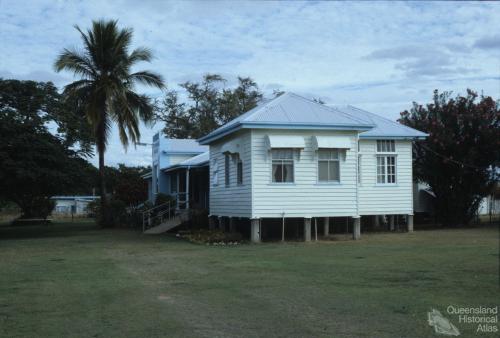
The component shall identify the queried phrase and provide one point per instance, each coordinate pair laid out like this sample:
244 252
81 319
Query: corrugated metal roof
287 111
291 111
195 161
182 146
383 127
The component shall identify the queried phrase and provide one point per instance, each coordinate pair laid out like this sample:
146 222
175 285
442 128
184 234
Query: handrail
158 206
146 215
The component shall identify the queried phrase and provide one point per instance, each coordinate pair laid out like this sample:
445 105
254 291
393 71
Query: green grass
74 280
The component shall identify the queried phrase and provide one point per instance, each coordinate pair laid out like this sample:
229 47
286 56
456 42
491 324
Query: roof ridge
257 109
328 107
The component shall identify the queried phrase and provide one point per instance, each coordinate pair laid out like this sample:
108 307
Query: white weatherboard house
293 160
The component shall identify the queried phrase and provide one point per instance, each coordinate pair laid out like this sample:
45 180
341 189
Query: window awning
329 142
231 147
285 141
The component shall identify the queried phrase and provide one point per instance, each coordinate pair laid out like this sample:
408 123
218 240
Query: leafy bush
93 208
203 236
116 215
40 207
164 198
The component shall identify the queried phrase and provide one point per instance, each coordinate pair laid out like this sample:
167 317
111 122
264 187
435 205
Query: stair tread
165 226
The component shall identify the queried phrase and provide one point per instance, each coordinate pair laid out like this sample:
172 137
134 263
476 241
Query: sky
379 56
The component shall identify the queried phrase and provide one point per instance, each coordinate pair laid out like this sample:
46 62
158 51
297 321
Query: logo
441 324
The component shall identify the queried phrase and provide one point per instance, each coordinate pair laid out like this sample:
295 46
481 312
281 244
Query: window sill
386 185
282 184
328 183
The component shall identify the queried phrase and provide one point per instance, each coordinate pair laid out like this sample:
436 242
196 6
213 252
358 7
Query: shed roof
76 197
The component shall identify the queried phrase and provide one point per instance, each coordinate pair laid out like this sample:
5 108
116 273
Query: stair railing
157 215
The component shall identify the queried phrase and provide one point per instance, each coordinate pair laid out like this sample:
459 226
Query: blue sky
379 56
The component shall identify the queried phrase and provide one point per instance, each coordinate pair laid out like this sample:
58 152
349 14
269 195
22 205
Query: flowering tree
460 158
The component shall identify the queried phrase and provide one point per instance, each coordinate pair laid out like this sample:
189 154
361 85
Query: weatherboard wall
306 197
233 200
379 199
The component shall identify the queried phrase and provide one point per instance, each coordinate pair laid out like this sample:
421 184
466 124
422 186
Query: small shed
72 205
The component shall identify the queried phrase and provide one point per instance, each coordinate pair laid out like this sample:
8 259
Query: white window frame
386 146
386 165
282 161
338 160
386 149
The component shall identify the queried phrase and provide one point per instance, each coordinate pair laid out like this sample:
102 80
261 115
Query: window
386 169
239 172
173 183
386 146
215 173
282 169
227 163
328 165
386 164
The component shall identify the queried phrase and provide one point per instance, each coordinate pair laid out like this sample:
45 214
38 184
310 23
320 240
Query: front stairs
163 218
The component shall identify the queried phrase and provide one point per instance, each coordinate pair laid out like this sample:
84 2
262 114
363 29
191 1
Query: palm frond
147 78
75 62
73 87
140 54
142 105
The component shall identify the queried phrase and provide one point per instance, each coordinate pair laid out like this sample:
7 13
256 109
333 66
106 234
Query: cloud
420 61
488 42
36 75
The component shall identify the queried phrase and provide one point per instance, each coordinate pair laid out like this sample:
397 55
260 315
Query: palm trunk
102 184
101 148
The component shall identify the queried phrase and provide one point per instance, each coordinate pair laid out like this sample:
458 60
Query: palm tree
105 89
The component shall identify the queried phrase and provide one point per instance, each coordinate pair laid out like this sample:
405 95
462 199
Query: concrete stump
356 229
255 230
307 229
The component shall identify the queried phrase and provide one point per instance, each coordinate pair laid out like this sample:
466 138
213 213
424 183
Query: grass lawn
74 280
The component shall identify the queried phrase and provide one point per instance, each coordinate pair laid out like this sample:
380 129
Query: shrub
203 236
39 207
117 211
93 208
116 215
164 198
